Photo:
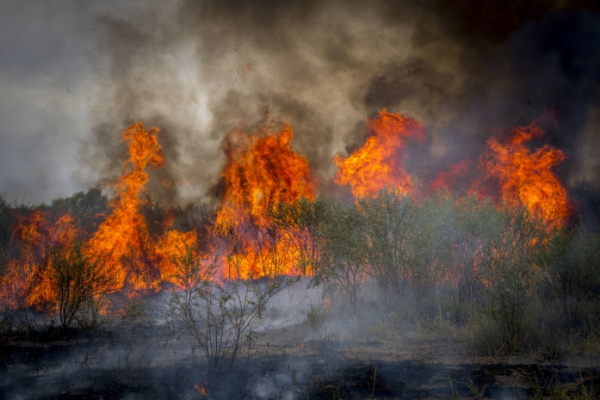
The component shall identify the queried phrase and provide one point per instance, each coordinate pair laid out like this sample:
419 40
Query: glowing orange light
526 178
378 163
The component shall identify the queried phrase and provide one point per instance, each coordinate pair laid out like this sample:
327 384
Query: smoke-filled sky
75 74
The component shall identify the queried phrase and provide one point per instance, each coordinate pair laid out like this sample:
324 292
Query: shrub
482 336
216 316
389 220
508 270
570 264
341 267
79 281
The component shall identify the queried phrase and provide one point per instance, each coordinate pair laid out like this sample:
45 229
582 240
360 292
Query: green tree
477 222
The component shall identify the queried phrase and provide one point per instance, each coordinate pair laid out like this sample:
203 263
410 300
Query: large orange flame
27 282
378 163
123 236
123 241
526 177
134 259
262 172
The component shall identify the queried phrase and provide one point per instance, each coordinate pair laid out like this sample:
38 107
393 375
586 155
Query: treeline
500 274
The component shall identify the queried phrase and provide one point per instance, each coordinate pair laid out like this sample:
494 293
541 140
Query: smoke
199 69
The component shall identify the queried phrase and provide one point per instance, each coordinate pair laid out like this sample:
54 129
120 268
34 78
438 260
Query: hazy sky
48 82
74 74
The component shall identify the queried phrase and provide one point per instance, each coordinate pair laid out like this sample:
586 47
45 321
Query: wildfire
378 163
123 235
526 177
27 280
123 241
262 173
448 179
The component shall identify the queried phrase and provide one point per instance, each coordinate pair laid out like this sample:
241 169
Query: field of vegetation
404 297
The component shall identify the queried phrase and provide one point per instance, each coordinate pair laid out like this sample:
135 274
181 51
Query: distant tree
79 280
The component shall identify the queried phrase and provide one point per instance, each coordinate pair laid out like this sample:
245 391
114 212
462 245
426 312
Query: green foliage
467 224
78 280
392 247
508 270
397 241
570 262
341 267
465 254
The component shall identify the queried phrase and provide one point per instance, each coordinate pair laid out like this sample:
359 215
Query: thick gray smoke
197 69
203 68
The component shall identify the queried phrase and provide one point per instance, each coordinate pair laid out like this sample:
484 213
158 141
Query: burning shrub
301 221
79 280
263 173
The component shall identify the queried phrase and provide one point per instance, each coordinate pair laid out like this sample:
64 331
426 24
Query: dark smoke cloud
466 69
